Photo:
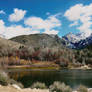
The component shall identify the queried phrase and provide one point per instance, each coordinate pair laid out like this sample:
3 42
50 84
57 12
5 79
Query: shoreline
35 67
16 88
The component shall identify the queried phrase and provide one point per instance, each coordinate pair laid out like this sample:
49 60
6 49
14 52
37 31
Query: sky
24 17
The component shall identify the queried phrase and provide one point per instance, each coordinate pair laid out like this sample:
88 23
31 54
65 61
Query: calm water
71 77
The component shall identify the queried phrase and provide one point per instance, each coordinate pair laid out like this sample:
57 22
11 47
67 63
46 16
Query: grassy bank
39 65
30 67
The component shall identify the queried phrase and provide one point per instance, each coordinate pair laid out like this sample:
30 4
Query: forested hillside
23 50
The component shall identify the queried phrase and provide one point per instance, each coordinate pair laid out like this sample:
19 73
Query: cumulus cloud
35 22
14 30
83 14
2 12
17 15
32 25
48 25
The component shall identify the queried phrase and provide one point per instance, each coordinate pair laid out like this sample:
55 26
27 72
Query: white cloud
1 22
35 22
83 14
74 23
54 32
17 15
48 25
33 25
74 13
86 28
2 12
14 30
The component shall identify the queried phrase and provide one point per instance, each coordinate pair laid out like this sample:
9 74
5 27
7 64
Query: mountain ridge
76 41
40 40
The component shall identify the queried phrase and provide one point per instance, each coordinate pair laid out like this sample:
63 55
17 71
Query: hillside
4 43
45 47
8 45
39 40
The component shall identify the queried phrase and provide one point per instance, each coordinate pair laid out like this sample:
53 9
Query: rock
16 86
90 90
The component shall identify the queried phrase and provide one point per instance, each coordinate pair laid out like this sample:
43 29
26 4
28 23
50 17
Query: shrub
4 79
17 83
39 85
82 89
59 87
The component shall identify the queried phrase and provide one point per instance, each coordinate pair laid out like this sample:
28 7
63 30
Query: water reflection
71 77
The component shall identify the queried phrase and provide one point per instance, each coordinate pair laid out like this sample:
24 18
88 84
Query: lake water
70 77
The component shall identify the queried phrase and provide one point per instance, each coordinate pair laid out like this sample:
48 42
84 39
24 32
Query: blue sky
19 17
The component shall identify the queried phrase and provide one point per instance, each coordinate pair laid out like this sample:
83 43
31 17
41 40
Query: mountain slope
8 45
84 43
76 41
46 47
39 40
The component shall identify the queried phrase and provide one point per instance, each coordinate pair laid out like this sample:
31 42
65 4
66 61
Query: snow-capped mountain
76 40
84 42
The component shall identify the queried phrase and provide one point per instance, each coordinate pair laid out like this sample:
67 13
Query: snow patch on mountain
71 40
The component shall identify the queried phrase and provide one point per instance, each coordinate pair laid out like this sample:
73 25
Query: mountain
45 47
8 45
39 40
76 40
51 48
85 42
